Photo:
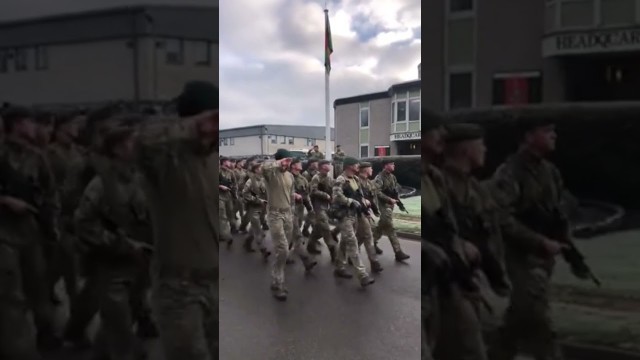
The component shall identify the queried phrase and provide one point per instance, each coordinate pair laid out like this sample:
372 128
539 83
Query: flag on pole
328 44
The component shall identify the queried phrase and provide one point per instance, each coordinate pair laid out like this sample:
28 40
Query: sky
21 9
272 56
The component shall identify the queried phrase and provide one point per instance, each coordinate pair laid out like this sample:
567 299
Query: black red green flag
328 44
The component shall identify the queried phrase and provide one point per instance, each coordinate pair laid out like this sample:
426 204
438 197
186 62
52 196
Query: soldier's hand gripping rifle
395 195
369 196
229 184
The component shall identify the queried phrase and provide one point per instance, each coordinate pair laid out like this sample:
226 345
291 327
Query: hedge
598 146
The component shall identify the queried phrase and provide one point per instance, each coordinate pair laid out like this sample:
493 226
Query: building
505 53
267 139
381 124
133 54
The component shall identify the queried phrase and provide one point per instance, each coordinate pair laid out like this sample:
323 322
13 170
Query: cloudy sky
272 54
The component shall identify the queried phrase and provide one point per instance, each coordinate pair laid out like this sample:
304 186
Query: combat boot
312 249
308 263
378 250
265 253
342 273
366 281
265 227
401 256
247 244
376 267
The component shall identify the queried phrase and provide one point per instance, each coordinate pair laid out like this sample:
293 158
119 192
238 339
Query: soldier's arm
293 190
380 185
269 169
87 217
338 195
50 208
315 191
246 193
306 199
505 192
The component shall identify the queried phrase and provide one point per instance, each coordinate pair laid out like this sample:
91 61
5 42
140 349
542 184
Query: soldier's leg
69 261
364 236
86 306
347 230
225 229
116 319
211 318
325 229
281 249
308 221
140 307
257 233
461 329
316 234
180 311
17 338
37 290
263 219
385 226
298 247
231 217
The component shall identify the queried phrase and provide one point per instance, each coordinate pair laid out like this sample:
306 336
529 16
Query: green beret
388 160
115 135
196 98
254 166
364 165
282 154
323 162
431 120
223 159
463 132
348 161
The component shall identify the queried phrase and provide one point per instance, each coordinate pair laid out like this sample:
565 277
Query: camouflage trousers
385 227
187 315
527 319
238 207
17 336
364 236
230 214
434 262
348 241
281 227
64 264
461 336
255 213
321 228
225 228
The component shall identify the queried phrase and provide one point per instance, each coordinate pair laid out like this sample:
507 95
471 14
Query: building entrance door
408 147
603 78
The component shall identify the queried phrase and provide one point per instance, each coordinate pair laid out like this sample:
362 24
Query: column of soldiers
294 200
130 215
501 235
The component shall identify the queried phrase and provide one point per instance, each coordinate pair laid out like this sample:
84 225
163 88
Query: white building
267 139
132 54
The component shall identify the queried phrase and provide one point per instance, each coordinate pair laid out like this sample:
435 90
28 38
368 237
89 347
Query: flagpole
327 106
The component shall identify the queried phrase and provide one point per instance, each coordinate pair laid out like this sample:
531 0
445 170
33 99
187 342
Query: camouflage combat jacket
309 174
228 179
280 187
241 177
254 190
341 204
386 182
338 157
67 164
302 188
321 190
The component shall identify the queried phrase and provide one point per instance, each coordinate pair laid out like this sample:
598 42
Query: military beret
323 162
197 97
254 166
282 154
295 161
364 165
388 160
463 132
223 159
348 161
430 120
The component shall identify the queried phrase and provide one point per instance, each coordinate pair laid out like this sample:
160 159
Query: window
232 141
202 53
364 116
41 58
460 5
274 139
290 142
460 90
283 139
383 151
515 89
393 112
226 142
311 142
175 51
414 109
406 106
364 151
401 111
21 59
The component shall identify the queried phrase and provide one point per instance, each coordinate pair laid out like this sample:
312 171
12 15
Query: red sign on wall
516 91
383 151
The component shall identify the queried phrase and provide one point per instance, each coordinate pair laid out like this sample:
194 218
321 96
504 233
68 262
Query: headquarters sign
592 42
413 135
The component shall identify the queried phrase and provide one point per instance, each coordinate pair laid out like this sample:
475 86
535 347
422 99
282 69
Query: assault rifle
395 195
358 196
322 187
228 183
369 196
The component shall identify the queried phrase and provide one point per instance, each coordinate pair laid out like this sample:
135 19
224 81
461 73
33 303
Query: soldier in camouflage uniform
241 178
309 173
29 219
226 199
348 211
366 223
302 188
531 189
315 153
67 160
255 194
112 220
281 198
321 192
387 182
185 223
338 159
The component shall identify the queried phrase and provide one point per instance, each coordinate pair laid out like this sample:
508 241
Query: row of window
507 90
404 107
383 150
275 139
26 58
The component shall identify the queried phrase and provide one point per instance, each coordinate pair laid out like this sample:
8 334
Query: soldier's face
315 148
240 163
476 151
543 138
285 163
313 166
368 171
127 148
433 141
296 168
226 163
258 170
391 167
325 168
27 128
44 132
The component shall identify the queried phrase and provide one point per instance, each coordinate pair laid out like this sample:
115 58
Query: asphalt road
324 317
